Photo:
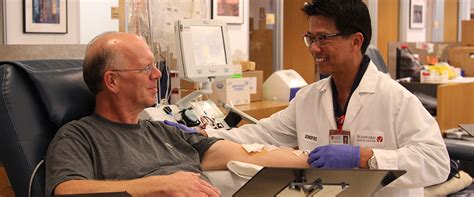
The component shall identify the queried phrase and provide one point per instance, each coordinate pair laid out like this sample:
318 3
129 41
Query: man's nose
155 73
315 48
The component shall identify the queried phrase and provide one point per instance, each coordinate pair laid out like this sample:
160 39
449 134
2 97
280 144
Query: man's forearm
136 187
176 184
223 151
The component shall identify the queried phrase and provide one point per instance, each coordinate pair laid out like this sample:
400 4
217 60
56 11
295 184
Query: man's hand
335 156
188 184
180 126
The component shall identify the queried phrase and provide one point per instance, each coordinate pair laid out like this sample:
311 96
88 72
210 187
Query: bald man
112 150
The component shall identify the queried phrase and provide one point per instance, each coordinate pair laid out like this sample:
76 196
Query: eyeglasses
147 69
320 40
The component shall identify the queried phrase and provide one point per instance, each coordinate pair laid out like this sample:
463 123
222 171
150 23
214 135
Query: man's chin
152 105
324 73
325 69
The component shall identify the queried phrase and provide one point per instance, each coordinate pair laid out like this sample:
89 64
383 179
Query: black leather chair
37 97
374 54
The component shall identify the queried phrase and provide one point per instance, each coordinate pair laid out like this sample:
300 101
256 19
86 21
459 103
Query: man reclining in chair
112 150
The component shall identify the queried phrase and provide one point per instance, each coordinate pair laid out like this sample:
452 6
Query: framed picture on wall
230 11
45 16
417 14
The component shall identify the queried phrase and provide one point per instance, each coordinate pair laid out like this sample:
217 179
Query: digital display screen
208 45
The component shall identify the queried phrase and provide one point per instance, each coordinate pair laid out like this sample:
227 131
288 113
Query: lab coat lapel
366 88
326 98
353 108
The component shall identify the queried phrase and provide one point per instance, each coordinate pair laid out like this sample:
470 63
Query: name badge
339 137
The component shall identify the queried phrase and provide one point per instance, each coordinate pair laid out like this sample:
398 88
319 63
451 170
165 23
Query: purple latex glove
180 126
335 156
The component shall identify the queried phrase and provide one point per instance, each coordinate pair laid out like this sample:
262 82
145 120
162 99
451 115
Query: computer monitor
203 51
407 65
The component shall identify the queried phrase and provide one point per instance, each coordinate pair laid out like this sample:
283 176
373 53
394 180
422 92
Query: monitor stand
206 88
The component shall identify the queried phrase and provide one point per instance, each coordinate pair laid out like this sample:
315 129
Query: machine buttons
167 110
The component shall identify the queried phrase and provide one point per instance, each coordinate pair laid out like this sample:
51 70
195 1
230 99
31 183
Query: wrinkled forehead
132 48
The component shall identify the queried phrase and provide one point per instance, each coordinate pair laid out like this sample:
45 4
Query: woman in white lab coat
386 126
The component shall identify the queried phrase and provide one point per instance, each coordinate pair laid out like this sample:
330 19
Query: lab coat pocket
374 139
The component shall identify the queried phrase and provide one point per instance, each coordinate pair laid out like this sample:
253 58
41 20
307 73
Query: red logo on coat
379 139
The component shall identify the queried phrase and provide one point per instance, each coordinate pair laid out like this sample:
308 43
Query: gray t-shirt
94 148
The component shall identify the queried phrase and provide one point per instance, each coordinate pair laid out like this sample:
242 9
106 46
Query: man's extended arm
180 183
279 129
224 151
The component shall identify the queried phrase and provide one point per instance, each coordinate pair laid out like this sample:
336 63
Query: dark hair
98 58
350 16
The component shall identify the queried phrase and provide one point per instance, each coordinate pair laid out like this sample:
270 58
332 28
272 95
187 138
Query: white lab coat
381 114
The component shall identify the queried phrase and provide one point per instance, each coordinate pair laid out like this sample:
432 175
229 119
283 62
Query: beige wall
295 54
387 28
451 20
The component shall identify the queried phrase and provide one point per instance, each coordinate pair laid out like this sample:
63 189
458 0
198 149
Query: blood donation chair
37 97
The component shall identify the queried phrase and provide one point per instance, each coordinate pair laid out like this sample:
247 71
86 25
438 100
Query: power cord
33 177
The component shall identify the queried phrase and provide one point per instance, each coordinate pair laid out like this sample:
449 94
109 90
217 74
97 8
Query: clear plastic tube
139 19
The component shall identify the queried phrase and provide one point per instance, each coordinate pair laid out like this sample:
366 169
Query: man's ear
111 81
358 40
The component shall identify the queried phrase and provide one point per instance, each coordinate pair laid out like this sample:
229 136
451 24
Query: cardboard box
247 65
467 38
185 84
256 84
463 57
233 90
185 92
